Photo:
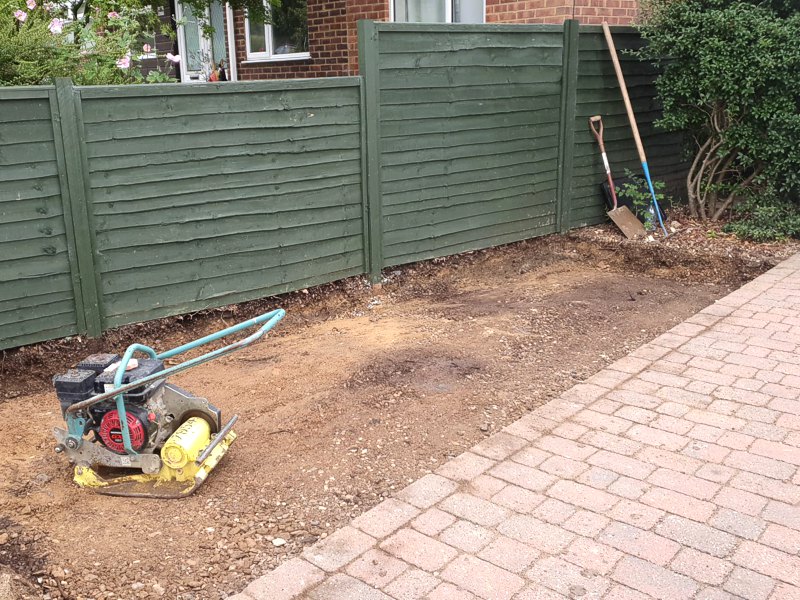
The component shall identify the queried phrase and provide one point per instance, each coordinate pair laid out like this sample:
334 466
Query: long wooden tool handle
631 117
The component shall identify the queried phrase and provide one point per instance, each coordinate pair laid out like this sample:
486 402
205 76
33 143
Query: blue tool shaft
646 170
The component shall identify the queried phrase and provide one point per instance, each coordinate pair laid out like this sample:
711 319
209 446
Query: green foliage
94 44
730 77
637 192
764 217
29 52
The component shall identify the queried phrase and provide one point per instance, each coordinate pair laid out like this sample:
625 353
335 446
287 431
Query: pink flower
173 58
56 26
49 6
20 15
113 15
146 48
31 4
124 62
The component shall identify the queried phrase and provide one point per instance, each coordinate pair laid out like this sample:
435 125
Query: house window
284 38
438 11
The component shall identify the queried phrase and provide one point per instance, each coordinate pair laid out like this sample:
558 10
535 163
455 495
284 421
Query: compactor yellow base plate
179 475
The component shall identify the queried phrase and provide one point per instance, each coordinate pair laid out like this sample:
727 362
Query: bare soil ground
353 396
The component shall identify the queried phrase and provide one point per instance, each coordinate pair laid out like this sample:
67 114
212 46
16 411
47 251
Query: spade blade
627 222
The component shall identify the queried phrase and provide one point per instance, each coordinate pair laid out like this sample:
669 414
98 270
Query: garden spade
621 215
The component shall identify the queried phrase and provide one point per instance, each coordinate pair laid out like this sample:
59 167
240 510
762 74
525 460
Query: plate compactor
122 415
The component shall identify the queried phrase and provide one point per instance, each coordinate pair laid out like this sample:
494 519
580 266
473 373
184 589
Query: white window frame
448 11
268 56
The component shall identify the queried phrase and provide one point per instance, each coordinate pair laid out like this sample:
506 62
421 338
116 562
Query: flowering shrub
100 44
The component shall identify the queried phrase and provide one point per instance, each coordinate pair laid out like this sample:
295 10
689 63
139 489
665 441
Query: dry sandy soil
354 395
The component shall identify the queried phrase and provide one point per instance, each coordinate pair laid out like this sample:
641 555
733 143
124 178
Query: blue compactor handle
75 424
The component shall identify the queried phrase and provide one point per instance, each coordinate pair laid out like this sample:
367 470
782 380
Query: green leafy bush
765 217
730 78
40 41
637 192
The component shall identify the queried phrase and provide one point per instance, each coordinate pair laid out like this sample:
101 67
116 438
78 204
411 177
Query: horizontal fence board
455 41
474 123
215 89
496 191
25 132
528 204
459 151
224 289
466 164
192 140
398 79
268 177
459 223
497 173
183 252
236 206
257 165
224 124
474 57
18 211
288 149
146 312
39 288
44 228
30 301
17 334
472 92
120 109
230 263
24 110
297 194
214 228
466 108
540 135
474 239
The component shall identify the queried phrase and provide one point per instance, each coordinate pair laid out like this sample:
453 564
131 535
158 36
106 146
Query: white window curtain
439 11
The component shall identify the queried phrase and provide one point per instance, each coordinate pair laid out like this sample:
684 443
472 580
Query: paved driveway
671 474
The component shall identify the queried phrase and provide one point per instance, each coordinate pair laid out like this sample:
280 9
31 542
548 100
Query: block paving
674 473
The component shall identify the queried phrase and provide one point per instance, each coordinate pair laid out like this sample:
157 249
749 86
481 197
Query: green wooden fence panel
38 274
120 204
599 94
202 196
469 136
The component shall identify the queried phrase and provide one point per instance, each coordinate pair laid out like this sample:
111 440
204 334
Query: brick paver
674 473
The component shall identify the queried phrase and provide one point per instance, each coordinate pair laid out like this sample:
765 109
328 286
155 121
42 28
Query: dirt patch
354 396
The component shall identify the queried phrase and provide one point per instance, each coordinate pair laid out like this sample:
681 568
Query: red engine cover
111 432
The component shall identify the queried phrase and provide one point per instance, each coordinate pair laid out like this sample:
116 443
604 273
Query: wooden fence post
566 148
368 50
78 184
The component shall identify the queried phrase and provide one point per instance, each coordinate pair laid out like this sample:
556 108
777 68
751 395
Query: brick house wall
327 44
374 10
333 30
588 12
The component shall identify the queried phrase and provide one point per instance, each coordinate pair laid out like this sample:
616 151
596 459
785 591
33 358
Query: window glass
257 35
467 11
218 49
290 27
420 11
194 58
436 11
